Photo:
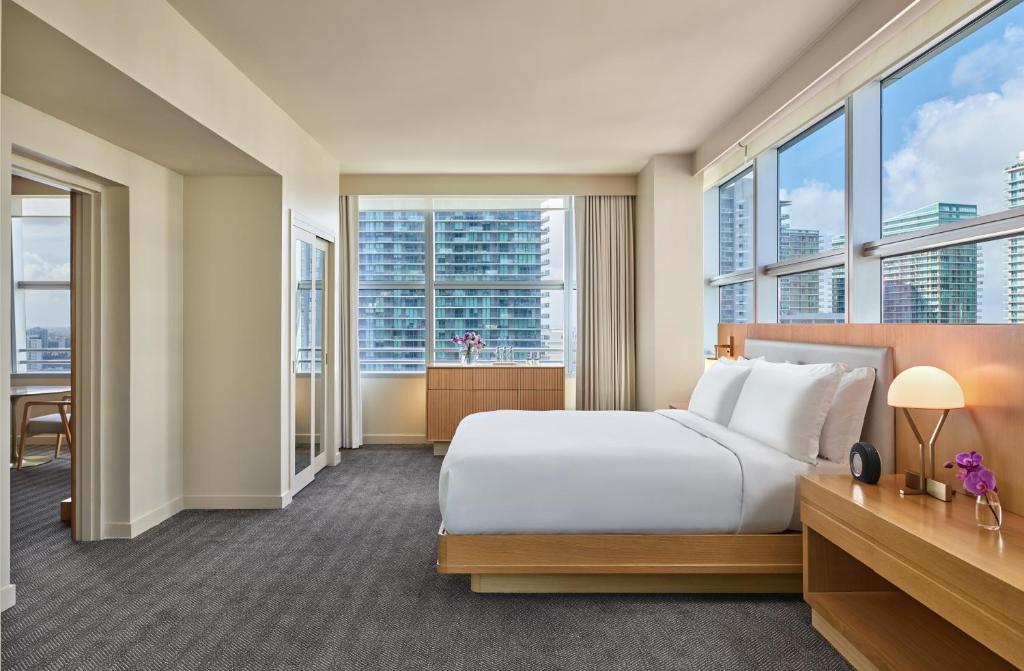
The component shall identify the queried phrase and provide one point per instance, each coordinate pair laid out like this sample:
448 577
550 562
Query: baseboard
8 596
237 502
154 517
394 439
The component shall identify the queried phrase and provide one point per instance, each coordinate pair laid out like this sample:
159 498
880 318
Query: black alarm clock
865 465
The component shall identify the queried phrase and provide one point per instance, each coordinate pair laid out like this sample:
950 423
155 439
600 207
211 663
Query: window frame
430 284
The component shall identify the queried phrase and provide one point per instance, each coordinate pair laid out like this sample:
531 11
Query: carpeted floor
344 579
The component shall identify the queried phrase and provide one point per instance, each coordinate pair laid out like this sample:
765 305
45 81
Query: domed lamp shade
930 388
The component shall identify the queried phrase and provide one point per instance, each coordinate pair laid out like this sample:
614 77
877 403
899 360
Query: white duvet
668 471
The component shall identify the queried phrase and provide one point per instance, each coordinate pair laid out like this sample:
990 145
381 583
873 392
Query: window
492 265
952 135
812 184
41 301
736 303
735 223
953 151
392 290
813 297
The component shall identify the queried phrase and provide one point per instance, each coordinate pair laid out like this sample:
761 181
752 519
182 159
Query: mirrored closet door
310 275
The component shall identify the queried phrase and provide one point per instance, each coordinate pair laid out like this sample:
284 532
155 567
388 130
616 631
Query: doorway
311 277
42 344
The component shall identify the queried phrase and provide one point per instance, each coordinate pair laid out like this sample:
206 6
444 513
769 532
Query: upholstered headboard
879 423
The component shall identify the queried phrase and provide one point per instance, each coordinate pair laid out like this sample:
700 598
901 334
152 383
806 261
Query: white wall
232 342
669 281
141 260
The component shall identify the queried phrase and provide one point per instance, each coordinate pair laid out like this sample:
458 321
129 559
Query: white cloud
957 152
37 268
991 60
816 205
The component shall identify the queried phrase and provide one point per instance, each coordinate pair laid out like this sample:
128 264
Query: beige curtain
348 305
605 334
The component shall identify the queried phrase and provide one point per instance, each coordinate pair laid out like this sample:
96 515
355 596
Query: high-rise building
1015 245
480 249
492 246
735 248
937 286
816 297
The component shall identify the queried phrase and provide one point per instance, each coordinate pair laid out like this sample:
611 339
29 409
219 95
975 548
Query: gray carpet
344 579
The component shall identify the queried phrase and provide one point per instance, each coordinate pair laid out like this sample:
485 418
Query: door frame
86 475
305 228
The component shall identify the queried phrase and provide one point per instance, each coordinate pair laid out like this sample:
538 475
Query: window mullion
428 274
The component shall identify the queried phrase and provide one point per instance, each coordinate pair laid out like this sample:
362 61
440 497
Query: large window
41 301
953 151
735 223
434 268
736 249
812 183
905 205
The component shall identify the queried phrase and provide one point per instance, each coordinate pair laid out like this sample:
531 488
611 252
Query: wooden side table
910 582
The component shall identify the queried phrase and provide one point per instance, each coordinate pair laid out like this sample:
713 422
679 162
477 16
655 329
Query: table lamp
930 388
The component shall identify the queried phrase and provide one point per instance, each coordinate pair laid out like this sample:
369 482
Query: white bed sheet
668 471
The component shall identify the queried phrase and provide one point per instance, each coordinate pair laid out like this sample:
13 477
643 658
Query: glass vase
467 357
988 512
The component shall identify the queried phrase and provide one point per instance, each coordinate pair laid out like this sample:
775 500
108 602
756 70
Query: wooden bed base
625 563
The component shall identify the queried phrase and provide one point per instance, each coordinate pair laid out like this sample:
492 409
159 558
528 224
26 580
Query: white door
310 279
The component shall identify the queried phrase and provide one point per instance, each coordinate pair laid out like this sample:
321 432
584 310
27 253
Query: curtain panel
606 324
348 307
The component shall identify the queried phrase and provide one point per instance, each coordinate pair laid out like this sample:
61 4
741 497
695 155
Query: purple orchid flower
980 481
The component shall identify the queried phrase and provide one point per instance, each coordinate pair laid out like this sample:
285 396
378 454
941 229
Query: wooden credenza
456 391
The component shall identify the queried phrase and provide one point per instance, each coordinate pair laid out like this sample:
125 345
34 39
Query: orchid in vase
470 344
981 482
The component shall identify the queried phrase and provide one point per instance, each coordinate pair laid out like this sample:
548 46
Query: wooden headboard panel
987 360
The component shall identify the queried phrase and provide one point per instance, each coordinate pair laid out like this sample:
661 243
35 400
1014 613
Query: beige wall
232 342
669 281
141 271
143 463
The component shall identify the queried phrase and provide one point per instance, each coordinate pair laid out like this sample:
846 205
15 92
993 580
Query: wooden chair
57 423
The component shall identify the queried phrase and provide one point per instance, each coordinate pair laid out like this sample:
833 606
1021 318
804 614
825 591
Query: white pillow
784 406
716 392
740 361
845 419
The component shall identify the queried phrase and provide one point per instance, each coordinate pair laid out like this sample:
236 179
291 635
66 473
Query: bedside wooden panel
910 582
454 392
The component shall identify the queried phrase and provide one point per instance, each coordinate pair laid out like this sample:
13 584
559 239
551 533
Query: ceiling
45 69
498 86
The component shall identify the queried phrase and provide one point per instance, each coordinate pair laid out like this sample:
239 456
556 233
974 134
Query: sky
45 256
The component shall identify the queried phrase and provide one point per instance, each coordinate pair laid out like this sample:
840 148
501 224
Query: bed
663 501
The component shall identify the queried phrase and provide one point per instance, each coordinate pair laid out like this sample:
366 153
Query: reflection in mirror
303 354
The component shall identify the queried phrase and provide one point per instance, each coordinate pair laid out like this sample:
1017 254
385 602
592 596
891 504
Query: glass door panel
318 366
303 355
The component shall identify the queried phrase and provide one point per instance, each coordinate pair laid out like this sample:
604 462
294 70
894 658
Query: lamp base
913 483
939 490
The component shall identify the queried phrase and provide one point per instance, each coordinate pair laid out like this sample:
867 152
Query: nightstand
910 582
